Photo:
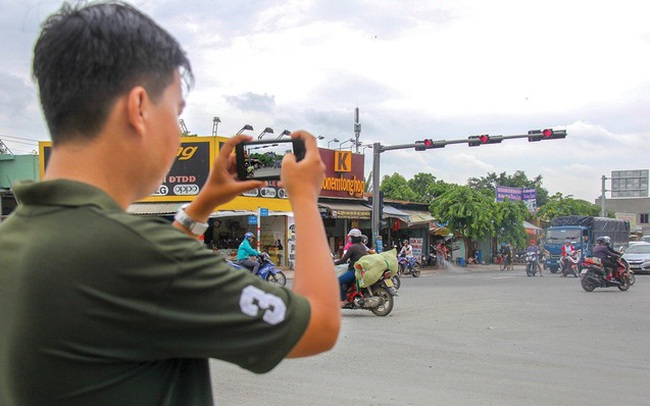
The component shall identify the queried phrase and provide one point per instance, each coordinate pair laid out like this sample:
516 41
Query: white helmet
355 232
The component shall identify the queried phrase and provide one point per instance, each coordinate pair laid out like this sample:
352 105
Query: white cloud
441 70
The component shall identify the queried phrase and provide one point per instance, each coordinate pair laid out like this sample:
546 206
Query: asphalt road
472 336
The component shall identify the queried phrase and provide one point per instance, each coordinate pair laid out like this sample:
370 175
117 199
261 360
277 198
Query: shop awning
418 217
531 228
160 209
391 212
351 210
235 213
154 209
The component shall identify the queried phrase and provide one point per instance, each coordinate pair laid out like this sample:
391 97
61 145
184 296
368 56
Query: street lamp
330 141
363 150
283 133
215 123
247 127
267 130
346 141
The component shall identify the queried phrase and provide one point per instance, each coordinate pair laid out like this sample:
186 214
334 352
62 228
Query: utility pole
472 141
357 128
602 197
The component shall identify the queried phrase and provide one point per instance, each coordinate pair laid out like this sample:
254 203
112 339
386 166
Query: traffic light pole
377 149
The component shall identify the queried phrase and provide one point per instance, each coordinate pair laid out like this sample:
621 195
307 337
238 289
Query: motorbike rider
351 256
406 251
245 251
364 241
506 254
535 250
608 256
567 250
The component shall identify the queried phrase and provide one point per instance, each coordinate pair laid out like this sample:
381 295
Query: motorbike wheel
387 307
625 283
587 284
415 272
396 281
277 279
400 270
528 272
631 278
502 265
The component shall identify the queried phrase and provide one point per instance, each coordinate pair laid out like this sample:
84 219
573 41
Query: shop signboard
186 177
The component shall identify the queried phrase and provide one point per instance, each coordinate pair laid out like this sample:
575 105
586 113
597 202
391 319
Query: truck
582 231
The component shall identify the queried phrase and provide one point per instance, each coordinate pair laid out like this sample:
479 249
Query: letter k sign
342 161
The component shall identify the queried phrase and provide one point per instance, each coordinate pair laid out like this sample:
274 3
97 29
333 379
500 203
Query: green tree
466 212
509 222
559 205
487 184
427 187
396 187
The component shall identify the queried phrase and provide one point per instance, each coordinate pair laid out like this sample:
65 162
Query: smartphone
261 160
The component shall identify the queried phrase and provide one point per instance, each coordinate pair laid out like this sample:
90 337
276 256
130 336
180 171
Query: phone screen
262 160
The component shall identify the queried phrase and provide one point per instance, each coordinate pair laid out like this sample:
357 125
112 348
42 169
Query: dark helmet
249 235
503 244
602 239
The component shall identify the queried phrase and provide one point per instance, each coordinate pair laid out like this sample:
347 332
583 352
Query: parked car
638 256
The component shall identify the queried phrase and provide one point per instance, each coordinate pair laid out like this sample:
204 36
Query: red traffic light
476 140
428 144
546 134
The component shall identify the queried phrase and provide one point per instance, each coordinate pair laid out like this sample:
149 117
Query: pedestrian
98 306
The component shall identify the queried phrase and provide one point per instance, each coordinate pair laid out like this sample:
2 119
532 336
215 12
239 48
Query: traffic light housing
546 134
428 144
476 140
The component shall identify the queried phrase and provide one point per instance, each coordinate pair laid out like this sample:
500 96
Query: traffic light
476 140
428 144
546 134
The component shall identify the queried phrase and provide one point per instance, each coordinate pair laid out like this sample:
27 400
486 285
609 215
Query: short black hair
88 55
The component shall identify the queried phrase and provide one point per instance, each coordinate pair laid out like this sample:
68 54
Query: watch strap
188 222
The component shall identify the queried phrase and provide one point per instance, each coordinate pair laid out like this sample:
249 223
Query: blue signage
264 212
252 219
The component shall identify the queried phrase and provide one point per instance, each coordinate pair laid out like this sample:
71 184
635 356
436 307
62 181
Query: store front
266 212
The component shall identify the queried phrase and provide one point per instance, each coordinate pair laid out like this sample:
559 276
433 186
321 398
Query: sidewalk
427 269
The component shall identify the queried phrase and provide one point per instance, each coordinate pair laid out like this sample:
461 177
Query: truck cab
583 231
555 238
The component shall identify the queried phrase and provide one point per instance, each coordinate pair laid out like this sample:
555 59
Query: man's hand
304 179
222 185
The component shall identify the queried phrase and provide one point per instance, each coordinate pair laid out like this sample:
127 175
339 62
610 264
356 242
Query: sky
441 70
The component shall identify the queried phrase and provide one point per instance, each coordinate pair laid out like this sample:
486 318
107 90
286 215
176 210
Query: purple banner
528 195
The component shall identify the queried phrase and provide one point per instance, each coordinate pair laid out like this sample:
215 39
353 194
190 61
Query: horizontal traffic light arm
556 134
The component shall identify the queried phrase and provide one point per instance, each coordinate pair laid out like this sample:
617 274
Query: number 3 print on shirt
253 300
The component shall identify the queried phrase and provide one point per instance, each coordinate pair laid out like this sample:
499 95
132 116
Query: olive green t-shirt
100 307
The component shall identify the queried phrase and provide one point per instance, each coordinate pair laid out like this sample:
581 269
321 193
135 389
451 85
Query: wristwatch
188 222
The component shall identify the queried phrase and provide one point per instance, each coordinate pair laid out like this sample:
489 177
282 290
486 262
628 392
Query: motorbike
531 263
593 275
408 266
571 263
378 298
267 270
431 259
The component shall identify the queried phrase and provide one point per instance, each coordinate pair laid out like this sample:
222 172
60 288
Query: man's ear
136 105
